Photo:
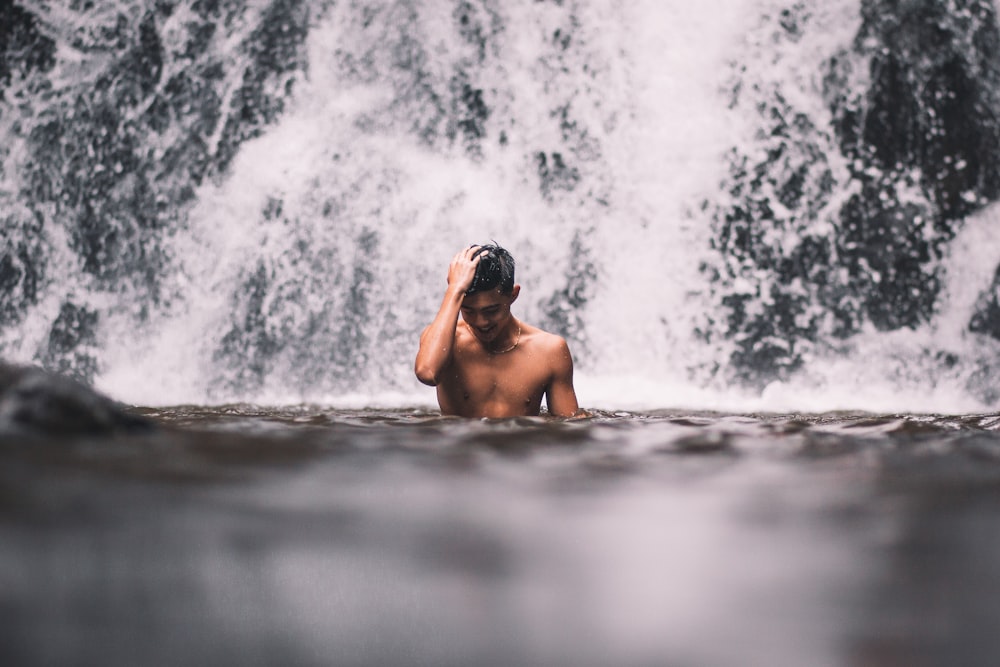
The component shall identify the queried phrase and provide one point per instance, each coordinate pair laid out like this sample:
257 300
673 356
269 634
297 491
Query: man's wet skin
485 362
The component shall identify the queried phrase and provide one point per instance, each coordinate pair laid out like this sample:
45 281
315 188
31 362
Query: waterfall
750 205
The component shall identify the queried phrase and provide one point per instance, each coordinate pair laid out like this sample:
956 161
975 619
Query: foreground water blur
308 536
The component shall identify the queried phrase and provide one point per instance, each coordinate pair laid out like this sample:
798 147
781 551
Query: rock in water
38 402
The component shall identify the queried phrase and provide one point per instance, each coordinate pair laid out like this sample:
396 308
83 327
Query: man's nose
483 320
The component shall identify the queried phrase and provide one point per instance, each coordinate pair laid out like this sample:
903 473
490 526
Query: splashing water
259 203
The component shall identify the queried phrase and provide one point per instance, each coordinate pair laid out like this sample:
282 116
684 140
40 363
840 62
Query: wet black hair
495 270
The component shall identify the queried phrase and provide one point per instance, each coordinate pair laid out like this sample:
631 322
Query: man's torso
479 384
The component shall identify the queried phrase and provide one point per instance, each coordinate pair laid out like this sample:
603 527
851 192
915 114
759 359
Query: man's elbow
426 375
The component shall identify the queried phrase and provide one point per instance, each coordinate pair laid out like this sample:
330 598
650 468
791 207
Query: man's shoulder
549 338
545 341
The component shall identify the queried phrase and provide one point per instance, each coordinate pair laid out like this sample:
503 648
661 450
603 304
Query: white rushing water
646 92
347 210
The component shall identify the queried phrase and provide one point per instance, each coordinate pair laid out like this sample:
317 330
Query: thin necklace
509 349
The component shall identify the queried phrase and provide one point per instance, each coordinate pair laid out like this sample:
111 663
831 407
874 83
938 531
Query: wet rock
564 309
276 50
554 174
924 146
269 323
986 318
22 262
36 402
72 338
22 47
933 99
114 121
828 226
778 281
469 114
251 339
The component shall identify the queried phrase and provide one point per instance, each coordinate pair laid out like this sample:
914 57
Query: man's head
486 305
494 272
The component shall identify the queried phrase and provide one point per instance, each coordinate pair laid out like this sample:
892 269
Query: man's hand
462 270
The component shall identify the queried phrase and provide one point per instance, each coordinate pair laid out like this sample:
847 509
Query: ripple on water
395 536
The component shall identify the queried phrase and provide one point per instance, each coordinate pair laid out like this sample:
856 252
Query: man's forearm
438 340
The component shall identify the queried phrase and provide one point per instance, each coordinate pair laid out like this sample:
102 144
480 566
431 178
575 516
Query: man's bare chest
516 376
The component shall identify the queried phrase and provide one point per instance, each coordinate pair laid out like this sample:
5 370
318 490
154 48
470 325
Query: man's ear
514 292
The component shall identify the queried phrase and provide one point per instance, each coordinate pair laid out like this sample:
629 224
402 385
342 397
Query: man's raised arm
438 340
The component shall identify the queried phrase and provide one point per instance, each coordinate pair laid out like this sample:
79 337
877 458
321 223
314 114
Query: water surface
311 536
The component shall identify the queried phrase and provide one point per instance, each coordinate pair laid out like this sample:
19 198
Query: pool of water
311 536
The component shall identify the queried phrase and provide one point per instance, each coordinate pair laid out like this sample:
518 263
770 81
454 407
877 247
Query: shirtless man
489 363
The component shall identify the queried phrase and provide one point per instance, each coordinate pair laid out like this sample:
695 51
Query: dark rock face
24 52
114 150
933 102
986 318
562 310
918 149
72 342
34 402
929 121
23 48
22 262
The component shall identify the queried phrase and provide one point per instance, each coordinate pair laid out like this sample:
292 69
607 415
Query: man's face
487 313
